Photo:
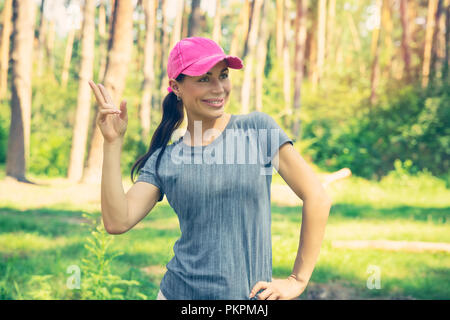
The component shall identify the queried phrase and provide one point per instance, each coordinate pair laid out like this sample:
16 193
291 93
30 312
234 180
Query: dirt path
52 191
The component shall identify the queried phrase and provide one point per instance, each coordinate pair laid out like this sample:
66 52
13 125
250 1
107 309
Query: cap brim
204 65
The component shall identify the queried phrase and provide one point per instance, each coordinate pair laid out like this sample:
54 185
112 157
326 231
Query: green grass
46 241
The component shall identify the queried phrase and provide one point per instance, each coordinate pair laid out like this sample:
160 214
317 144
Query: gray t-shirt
221 195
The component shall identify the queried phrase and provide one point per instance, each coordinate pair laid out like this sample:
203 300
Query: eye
225 75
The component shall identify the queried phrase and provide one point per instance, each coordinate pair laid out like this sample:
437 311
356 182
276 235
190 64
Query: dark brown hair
172 117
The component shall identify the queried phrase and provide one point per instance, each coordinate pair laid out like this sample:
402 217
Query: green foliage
408 126
98 282
52 123
40 288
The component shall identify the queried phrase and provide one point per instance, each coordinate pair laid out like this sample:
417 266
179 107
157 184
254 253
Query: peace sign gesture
111 121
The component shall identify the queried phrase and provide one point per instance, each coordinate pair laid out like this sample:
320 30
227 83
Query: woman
217 179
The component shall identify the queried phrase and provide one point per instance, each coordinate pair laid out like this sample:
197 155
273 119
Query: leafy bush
98 282
408 126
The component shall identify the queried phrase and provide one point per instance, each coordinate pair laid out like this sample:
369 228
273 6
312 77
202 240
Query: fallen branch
414 246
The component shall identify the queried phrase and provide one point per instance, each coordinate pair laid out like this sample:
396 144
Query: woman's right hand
111 121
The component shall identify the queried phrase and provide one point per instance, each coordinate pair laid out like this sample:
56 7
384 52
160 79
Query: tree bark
4 59
432 5
176 33
406 38
279 26
41 40
248 72
194 19
434 65
149 72
164 50
186 15
375 52
261 54
102 39
81 125
356 43
119 57
321 36
300 42
22 65
217 30
50 43
287 62
330 29
67 58
241 30
445 73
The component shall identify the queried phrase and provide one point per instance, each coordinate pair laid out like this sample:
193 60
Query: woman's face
205 96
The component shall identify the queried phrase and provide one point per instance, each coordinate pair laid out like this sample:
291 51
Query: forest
358 85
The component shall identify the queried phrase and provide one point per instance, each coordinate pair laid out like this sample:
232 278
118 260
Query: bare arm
113 200
316 206
120 211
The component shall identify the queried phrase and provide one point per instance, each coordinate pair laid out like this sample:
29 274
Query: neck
205 133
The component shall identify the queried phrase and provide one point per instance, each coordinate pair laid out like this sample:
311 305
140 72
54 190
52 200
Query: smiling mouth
214 102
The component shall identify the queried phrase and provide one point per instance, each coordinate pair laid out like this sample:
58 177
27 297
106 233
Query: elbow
114 230
323 199
322 204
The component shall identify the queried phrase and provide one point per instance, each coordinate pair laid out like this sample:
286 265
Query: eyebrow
226 68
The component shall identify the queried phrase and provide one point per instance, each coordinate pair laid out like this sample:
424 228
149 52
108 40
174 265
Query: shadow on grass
44 221
349 212
53 223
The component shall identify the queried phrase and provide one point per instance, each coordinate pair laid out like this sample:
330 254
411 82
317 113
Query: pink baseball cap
195 56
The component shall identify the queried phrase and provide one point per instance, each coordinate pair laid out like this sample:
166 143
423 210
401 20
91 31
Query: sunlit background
362 87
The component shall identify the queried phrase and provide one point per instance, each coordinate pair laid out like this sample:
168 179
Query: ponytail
172 117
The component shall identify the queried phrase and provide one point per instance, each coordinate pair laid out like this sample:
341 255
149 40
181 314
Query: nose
217 86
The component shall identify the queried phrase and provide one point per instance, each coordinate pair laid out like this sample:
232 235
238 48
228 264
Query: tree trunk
300 42
321 36
139 42
312 54
49 48
434 66
81 125
4 62
356 43
119 57
102 39
251 10
149 72
375 52
176 31
194 19
22 65
241 30
445 68
164 50
432 5
330 30
41 40
279 26
287 61
406 38
261 54
387 26
217 31
186 15
67 58
248 72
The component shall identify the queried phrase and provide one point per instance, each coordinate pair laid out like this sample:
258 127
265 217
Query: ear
173 84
